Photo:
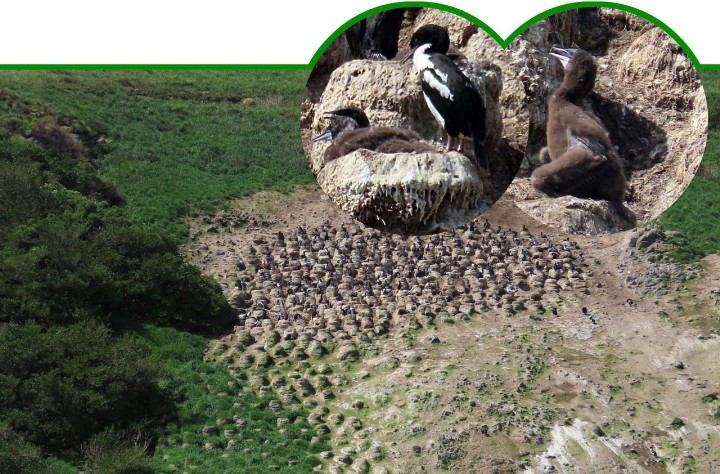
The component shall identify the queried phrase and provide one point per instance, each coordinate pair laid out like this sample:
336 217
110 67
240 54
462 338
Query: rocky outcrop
580 216
390 93
663 137
648 95
407 193
647 267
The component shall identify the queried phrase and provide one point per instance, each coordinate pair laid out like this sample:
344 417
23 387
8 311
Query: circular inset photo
616 119
601 111
402 123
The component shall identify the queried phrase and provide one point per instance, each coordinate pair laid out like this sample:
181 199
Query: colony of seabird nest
314 301
329 291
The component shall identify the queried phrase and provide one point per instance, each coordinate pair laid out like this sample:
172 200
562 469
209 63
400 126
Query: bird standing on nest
451 97
350 130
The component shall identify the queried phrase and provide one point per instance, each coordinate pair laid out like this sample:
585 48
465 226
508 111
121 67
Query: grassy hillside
175 142
696 214
102 323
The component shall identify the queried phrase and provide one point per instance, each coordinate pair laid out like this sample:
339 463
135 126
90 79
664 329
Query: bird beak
326 135
408 55
563 55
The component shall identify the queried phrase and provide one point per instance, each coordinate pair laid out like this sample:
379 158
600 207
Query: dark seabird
376 36
350 130
580 158
450 95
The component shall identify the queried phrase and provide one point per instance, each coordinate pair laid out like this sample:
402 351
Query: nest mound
416 193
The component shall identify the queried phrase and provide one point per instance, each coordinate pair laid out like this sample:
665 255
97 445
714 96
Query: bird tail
480 157
479 145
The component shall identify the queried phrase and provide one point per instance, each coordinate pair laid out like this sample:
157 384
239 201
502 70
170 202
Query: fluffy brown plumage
350 130
580 158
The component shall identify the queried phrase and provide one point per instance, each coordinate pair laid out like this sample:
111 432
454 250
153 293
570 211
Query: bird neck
342 125
578 81
573 91
421 57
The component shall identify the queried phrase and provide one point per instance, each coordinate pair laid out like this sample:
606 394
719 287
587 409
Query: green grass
73 267
199 387
696 214
179 142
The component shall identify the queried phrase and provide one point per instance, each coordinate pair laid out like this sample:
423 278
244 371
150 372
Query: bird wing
443 83
585 131
437 81
595 147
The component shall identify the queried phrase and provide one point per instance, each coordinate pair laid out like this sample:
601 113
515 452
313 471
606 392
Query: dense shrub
17 455
75 275
61 386
152 283
117 453
65 252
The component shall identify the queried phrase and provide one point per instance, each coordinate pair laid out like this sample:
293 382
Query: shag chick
450 95
580 158
350 130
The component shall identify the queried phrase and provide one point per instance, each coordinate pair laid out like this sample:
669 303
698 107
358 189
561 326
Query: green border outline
503 42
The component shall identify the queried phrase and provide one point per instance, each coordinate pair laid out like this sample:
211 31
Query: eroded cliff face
647 94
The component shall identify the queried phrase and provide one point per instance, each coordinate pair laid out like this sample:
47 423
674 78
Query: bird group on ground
579 159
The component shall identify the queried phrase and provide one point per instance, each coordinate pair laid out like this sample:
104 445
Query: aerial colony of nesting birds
313 301
311 292
579 159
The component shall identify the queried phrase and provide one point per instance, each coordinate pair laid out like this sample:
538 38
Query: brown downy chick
350 130
582 159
